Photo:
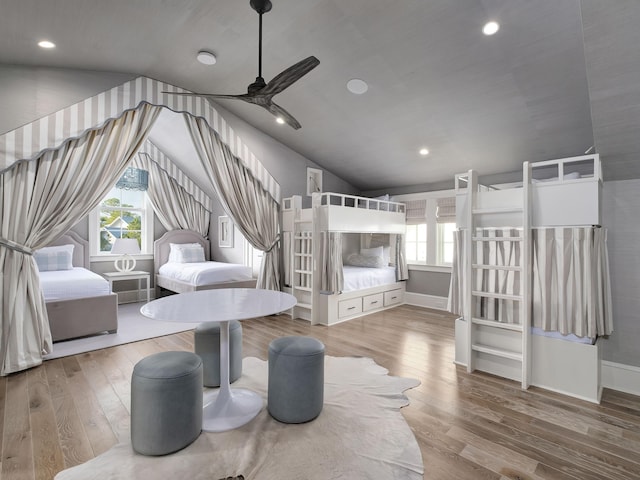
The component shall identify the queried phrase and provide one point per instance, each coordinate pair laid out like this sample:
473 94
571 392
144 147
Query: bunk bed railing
344 200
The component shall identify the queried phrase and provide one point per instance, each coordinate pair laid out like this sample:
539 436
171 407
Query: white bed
359 278
77 307
190 277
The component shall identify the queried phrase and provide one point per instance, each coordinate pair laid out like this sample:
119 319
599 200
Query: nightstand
133 275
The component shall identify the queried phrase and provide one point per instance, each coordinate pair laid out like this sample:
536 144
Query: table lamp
125 247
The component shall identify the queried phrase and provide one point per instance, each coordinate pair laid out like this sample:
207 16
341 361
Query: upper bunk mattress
75 283
359 278
205 273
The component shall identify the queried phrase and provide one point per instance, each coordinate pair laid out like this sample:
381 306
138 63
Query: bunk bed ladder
498 347
302 275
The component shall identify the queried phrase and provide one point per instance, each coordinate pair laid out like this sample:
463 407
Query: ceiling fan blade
242 96
290 75
278 111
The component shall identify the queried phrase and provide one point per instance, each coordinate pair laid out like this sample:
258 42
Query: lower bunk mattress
359 278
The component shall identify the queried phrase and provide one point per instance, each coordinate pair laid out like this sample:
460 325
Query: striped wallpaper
156 155
29 141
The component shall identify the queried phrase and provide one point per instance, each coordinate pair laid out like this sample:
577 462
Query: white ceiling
559 76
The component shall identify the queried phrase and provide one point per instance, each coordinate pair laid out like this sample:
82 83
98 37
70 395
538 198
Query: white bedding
75 283
359 278
205 273
569 338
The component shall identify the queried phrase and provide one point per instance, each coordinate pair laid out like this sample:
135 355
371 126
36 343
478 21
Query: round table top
218 305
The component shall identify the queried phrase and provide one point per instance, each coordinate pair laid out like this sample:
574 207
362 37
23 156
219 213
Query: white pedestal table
225 408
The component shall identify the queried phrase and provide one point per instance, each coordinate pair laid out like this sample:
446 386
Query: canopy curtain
253 210
41 199
287 255
402 271
331 275
571 291
495 252
176 208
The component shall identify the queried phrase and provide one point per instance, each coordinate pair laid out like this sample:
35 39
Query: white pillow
370 261
188 253
386 254
372 252
174 252
54 258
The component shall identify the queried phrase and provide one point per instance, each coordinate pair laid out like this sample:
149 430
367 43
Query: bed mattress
75 283
568 338
205 273
359 278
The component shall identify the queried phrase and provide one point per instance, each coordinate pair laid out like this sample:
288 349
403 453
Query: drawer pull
393 298
351 308
373 303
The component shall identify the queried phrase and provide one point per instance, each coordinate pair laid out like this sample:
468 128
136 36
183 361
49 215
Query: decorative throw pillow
372 252
54 258
370 261
175 254
190 254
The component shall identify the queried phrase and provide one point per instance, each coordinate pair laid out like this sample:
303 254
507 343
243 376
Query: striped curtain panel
176 208
287 252
331 275
41 199
571 291
402 271
251 207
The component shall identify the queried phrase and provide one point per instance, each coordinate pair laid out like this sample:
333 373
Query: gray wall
620 207
429 283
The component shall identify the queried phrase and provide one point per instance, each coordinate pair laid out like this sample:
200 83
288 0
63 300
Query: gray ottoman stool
207 346
166 402
296 379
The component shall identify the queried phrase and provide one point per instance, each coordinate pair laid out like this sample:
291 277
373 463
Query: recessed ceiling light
280 120
46 44
357 86
424 151
206 58
490 28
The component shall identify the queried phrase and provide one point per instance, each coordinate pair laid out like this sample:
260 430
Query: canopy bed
333 284
88 145
530 277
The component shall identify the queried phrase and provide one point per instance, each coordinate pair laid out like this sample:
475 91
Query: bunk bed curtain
176 208
251 207
331 274
41 198
571 293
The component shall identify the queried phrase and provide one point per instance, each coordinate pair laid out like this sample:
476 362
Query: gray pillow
371 261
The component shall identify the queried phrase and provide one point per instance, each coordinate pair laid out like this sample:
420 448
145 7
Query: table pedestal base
226 410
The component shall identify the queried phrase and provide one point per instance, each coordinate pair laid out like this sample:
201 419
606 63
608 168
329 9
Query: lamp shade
123 246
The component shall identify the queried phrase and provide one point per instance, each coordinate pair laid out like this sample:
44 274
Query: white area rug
360 434
132 327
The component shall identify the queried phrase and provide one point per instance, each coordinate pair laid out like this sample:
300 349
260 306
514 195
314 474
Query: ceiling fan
261 93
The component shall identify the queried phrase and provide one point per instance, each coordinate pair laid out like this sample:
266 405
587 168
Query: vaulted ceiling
559 77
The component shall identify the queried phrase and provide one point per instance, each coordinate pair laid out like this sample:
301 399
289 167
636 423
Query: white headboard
80 248
161 247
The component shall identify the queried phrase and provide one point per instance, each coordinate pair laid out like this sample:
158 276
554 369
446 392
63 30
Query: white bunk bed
558 193
305 229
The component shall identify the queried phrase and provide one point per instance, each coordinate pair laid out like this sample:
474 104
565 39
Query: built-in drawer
371 302
392 297
349 307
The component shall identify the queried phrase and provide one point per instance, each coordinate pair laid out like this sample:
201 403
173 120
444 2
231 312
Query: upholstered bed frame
161 249
80 317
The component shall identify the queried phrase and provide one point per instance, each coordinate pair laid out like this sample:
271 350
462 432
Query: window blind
416 211
446 210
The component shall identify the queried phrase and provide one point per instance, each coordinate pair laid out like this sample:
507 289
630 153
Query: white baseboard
621 377
427 301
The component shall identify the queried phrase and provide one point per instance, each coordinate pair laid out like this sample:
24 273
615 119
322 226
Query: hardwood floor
468 426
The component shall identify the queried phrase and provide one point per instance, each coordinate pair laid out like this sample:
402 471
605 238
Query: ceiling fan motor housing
260 6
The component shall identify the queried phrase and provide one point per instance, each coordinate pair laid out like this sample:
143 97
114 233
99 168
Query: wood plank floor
468 426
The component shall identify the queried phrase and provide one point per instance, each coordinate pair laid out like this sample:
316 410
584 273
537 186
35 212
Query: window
416 243
445 243
430 227
121 214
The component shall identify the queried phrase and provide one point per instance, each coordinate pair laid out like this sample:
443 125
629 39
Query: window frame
434 237
146 231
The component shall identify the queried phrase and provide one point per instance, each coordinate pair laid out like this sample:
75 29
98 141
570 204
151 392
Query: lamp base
126 263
